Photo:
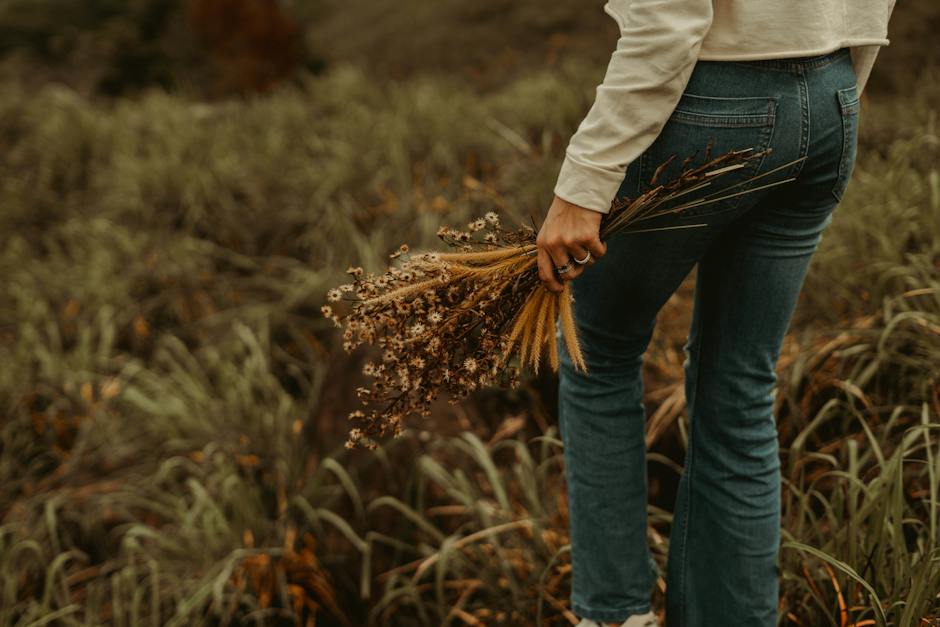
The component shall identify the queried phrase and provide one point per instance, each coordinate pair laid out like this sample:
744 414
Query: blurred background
182 182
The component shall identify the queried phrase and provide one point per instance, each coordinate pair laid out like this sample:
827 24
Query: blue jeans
722 568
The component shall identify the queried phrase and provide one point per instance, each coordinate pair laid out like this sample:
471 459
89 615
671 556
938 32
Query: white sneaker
637 620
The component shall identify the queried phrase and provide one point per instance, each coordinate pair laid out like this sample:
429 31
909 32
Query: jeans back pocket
848 101
703 127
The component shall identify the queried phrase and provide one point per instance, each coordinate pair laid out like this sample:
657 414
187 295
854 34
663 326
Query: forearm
647 73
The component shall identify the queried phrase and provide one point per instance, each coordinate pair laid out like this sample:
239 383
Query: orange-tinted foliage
252 42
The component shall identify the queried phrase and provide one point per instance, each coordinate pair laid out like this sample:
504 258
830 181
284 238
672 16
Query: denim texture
752 257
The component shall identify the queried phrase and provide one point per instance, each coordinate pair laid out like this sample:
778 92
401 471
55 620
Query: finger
577 251
590 259
576 268
558 253
580 251
597 247
547 271
560 257
575 272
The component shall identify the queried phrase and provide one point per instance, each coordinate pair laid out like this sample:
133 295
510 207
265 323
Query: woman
761 74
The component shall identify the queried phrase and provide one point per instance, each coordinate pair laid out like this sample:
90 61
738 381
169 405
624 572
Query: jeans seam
848 116
804 122
689 469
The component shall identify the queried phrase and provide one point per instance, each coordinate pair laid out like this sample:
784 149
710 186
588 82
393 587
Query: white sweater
660 41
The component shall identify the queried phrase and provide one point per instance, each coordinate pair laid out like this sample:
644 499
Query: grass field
172 402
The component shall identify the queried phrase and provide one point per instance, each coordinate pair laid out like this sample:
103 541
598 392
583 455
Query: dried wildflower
355 436
334 294
452 321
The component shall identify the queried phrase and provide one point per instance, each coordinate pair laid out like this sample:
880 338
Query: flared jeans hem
583 611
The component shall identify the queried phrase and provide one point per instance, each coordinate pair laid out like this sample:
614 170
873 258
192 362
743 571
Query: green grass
173 402
164 356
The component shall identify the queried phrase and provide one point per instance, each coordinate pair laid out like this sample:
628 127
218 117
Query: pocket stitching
725 120
849 99
849 108
722 120
767 131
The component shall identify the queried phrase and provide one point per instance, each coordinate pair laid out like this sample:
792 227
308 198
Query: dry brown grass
454 320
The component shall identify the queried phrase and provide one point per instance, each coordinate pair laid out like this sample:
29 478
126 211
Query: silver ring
587 258
564 268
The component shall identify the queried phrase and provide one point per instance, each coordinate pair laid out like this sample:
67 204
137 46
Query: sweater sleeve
863 57
647 73
863 60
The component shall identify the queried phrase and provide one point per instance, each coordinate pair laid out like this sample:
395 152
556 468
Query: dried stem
453 321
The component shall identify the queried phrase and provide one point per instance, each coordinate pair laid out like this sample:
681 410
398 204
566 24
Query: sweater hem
717 55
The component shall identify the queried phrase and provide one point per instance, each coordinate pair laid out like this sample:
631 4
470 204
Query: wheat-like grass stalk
454 320
568 329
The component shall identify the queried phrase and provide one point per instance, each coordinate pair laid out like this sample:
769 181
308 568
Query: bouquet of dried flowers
454 320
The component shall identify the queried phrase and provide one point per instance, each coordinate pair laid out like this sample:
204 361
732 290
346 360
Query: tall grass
860 402
167 440
171 445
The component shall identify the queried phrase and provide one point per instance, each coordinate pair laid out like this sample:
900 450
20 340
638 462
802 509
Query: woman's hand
568 233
